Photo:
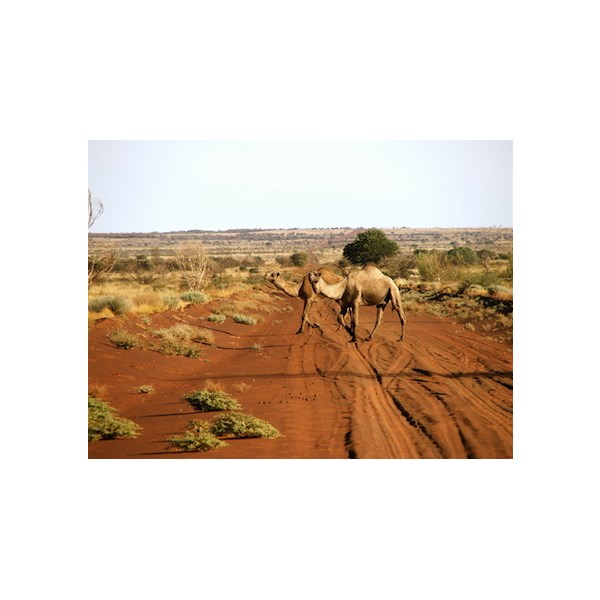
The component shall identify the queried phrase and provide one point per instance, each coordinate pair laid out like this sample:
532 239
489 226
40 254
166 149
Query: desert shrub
223 262
197 438
98 304
119 305
208 400
485 255
215 318
284 261
242 426
105 424
244 319
461 255
485 279
177 348
171 302
194 297
299 259
178 340
431 265
400 265
121 338
148 299
181 331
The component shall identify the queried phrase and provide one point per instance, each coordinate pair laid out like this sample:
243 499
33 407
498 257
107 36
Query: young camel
302 290
367 287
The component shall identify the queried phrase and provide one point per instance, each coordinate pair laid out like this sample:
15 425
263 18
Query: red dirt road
443 392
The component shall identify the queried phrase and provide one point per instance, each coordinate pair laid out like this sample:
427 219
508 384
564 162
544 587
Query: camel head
314 277
272 276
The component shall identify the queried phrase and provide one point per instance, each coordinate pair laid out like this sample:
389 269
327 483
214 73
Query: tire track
439 394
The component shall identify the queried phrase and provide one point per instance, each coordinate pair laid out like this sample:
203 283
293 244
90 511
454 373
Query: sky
215 185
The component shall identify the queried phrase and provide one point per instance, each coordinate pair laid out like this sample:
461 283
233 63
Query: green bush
211 400
197 438
105 424
178 340
123 339
461 255
172 302
299 259
194 297
242 426
119 305
214 318
245 319
177 348
370 246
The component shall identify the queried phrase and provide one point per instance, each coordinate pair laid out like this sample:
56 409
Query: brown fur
303 290
367 287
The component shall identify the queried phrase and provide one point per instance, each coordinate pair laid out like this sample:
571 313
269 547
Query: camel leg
354 321
305 319
402 317
380 308
342 318
398 308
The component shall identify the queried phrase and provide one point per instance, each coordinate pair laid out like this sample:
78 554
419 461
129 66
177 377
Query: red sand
443 392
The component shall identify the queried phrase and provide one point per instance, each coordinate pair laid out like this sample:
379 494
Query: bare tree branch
192 263
95 209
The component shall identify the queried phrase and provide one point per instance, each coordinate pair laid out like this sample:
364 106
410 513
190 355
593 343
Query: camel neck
332 290
290 289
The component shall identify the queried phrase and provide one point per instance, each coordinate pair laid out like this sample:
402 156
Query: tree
192 263
370 246
95 209
100 263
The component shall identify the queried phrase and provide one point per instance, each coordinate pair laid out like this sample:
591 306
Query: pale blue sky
179 185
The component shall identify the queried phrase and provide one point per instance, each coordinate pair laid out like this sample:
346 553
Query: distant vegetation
149 273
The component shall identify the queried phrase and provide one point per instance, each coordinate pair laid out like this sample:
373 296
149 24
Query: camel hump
329 276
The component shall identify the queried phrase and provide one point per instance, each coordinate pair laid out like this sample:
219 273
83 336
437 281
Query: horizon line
233 229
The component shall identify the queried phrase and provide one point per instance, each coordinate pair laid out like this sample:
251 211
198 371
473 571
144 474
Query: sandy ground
443 392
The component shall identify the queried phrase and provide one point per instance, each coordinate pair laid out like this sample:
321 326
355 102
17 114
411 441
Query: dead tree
192 263
100 262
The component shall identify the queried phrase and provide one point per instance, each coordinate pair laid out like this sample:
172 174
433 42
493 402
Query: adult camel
303 290
367 287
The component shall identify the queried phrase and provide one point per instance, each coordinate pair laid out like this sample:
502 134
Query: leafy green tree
370 246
